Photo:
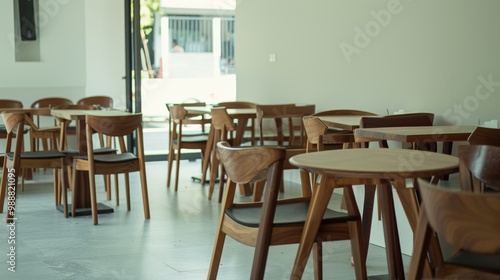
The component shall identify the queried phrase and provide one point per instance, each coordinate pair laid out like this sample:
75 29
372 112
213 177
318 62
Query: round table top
377 163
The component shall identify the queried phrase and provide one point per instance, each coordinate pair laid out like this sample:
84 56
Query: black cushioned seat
104 150
485 262
34 155
286 214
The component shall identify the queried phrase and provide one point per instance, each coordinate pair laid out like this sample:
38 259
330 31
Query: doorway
183 54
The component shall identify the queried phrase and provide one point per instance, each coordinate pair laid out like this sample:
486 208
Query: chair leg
93 197
177 167
145 196
75 186
127 190
358 252
221 182
107 185
216 255
117 191
358 249
318 260
169 167
258 189
57 186
62 186
3 188
422 238
213 173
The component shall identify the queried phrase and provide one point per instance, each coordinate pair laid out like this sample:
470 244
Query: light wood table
417 133
381 167
82 198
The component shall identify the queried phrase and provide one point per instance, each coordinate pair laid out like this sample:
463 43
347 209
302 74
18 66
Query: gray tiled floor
176 243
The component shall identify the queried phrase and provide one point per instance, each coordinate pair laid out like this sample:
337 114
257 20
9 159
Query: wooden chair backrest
14 124
101 100
344 112
177 113
114 125
317 136
50 102
485 136
466 220
283 113
414 119
9 103
74 107
479 167
237 104
244 165
221 119
315 129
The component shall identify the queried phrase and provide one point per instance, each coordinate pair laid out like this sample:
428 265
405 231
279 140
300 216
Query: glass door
179 54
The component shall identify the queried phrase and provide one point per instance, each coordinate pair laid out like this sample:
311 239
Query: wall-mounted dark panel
27 20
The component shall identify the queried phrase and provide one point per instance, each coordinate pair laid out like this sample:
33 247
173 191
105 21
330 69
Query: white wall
105 49
428 56
70 66
432 56
61 70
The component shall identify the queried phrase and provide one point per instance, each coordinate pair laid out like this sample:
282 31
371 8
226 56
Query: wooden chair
201 114
319 139
46 134
223 128
288 123
98 102
485 136
469 222
103 148
8 103
179 139
15 160
242 105
273 222
288 131
479 168
124 162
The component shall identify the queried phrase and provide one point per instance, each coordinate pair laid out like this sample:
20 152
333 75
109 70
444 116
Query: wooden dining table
416 133
386 168
82 197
